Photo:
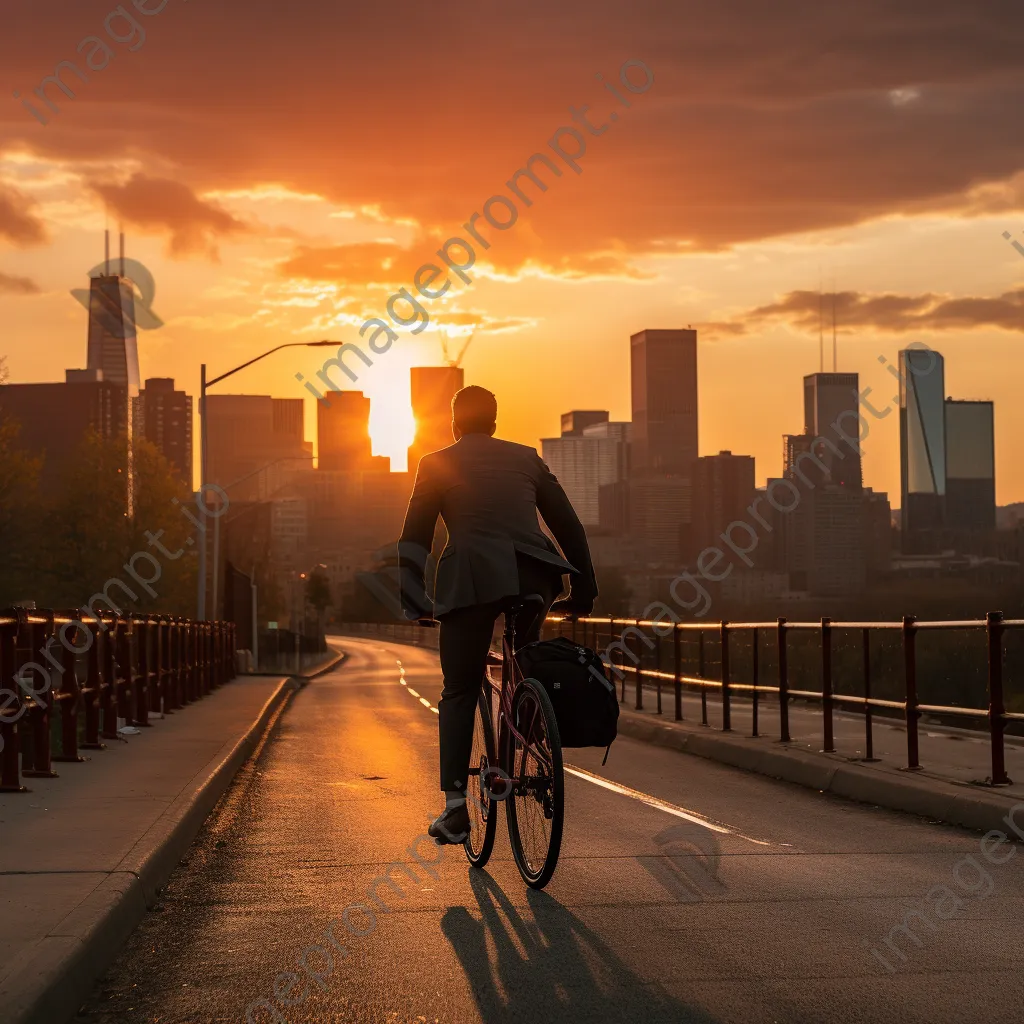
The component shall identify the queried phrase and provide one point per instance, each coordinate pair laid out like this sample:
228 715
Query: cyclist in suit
488 493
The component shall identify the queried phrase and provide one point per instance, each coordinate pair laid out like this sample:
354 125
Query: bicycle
523 769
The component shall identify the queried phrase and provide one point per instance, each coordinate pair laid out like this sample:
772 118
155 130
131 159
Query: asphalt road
689 891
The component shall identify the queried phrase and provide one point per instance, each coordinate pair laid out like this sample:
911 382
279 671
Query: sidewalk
83 855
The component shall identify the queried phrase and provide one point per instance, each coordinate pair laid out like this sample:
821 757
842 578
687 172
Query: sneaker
452 827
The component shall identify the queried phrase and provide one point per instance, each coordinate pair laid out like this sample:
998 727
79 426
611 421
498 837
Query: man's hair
474 410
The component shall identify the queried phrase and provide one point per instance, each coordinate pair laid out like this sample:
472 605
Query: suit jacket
488 492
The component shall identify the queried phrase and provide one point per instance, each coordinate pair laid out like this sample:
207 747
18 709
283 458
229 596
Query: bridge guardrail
91 671
623 636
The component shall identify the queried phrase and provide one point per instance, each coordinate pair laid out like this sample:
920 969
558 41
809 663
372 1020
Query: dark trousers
464 641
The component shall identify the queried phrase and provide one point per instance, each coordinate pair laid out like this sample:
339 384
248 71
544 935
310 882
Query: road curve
686 891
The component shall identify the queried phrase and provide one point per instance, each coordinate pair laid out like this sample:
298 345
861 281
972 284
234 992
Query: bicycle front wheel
480 796
537 805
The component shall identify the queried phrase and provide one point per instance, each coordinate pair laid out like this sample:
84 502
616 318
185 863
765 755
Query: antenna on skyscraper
106 252
835 349
821 336
122 254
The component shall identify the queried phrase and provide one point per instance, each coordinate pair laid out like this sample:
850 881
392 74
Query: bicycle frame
511 677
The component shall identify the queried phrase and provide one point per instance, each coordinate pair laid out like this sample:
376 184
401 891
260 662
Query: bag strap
606 749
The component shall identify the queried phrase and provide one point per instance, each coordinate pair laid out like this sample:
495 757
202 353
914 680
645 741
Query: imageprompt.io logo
145 291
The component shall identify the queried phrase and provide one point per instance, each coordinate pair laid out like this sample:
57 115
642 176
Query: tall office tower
832 420
432 389
970 465
164 417
659 510
255 444
112 343
586 460
343 434
922 440
575 422
723 489
877 534
663 383
54 419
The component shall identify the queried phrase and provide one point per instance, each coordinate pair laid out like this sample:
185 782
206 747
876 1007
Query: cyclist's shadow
551 966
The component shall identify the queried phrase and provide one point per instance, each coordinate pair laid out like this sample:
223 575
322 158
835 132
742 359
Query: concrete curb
54 976
303 678
955 803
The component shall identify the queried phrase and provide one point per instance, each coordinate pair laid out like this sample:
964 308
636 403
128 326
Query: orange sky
283 169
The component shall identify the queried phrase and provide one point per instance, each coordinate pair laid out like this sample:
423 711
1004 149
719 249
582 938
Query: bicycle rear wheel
537 805
480 801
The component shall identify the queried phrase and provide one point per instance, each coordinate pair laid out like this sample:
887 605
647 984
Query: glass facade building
922 439
970 465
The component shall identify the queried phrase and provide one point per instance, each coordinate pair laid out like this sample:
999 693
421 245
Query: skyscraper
663 381
255 444
922 440
723 489
831 413
586 459
343 433
54 419
970 465
432 389
163 416
112 343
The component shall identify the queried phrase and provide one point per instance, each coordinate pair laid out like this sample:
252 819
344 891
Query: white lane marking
436 712
661 805
413 692
425 702
403 682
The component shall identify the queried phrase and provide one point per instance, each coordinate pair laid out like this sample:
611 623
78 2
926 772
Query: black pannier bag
586 707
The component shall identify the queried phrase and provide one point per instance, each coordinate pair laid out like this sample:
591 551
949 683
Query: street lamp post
204 385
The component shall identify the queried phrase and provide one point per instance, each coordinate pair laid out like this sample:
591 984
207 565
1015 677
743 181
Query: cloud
764 120
163 205
12 285
19 222
896 314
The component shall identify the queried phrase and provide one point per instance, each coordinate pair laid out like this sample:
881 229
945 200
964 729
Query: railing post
10 757
93 689
38 718
678 669
869 739
125 681
784 736
754 672
657 665
69 698
639 670
726 695
910 679
141 689
996 707
700 675
109 692
826 684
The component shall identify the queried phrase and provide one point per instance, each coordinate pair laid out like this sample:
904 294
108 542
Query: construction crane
457 361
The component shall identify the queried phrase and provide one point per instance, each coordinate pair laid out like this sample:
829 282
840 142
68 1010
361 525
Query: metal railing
752 661
691 671
65 681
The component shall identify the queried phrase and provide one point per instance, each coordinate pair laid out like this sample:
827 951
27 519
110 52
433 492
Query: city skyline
702 206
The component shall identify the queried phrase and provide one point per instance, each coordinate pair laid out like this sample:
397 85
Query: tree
161 531
318 591
20 513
